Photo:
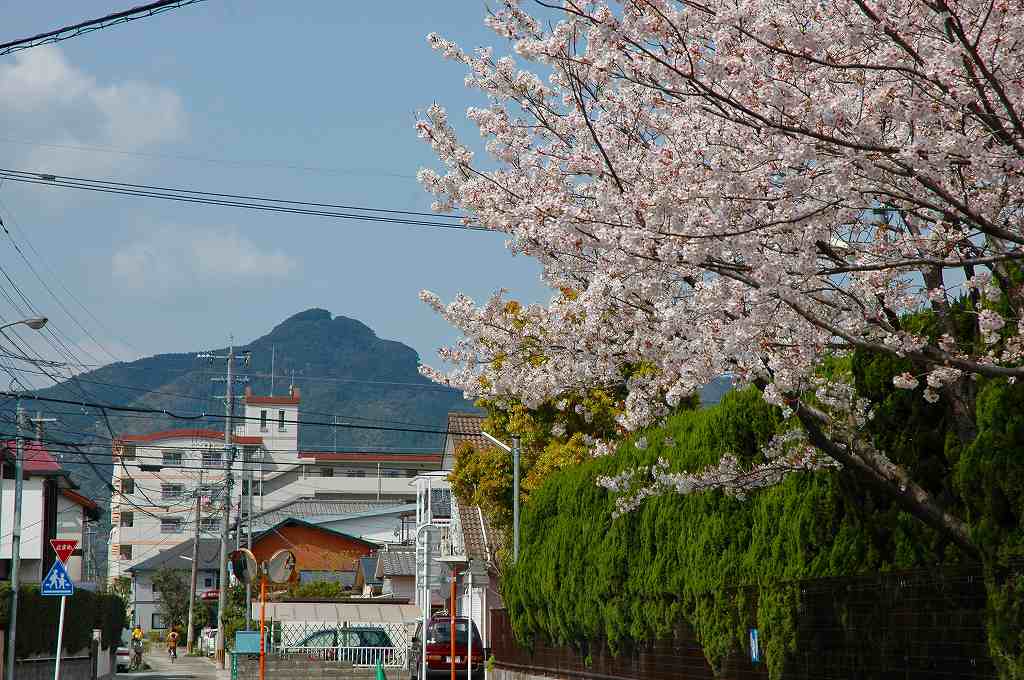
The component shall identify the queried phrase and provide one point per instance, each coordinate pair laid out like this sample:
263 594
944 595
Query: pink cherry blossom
740 188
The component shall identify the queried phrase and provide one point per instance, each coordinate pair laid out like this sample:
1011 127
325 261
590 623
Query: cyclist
137 637
172 644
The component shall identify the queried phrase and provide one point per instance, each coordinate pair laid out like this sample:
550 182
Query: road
185 668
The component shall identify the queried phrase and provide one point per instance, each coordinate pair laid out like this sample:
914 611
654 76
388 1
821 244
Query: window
208 582
127 486
125 551
210 491
209 524
169 492
392 472
157 622
356 473
170 525
326 472
172 458
127 519
213 458
280 420
127 451
411 473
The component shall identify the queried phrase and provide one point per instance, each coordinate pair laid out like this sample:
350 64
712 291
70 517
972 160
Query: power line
81 28
70 294
201 416
244 201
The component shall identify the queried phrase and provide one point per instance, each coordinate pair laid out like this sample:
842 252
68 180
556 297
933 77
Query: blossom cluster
739 187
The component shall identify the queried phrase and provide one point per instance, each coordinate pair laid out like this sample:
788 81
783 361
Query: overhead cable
248 202
81 28
215 416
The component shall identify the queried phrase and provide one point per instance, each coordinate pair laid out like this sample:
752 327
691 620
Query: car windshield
373 638
441 632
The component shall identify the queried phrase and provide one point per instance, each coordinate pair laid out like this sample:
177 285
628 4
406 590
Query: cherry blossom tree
742 187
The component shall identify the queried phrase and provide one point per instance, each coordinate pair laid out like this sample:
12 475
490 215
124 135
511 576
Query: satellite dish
243 565
281 566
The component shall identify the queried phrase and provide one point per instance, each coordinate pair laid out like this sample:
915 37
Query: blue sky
326 85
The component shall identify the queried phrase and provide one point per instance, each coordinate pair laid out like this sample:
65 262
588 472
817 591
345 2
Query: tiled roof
396 563
79 499
473 537
36 459
310 509
180 557
294 521
466 427
372 457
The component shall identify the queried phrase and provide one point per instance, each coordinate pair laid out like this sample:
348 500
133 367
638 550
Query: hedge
583 575
85 611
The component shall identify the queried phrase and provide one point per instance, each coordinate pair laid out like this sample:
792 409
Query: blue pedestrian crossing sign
57 582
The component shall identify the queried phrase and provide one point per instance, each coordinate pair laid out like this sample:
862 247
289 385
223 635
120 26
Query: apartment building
158 476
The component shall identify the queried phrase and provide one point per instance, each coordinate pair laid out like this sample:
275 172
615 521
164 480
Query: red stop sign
63 547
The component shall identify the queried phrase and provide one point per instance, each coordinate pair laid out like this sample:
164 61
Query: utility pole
12 627
247 473
195 566
229 451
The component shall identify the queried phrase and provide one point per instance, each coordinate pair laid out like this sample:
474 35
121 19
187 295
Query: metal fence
360 644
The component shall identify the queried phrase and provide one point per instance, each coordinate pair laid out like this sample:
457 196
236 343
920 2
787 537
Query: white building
159 474
51 508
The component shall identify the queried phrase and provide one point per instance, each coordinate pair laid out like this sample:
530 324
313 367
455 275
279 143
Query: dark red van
439 648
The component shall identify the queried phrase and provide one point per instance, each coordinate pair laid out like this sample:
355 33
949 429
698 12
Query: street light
514 450
35 323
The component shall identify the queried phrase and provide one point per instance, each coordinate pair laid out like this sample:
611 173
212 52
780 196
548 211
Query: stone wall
71 668
290 668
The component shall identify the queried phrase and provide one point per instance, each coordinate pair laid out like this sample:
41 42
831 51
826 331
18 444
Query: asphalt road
184 668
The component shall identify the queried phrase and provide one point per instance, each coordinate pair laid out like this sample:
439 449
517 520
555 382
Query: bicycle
136 662
172 653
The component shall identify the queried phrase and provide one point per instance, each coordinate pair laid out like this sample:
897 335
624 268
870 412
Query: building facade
159 476
51 508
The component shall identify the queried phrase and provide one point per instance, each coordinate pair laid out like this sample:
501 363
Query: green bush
583 575
85 610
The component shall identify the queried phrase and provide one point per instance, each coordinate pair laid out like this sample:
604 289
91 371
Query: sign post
58 584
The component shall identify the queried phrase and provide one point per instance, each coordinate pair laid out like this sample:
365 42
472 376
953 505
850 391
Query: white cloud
47 100
170 259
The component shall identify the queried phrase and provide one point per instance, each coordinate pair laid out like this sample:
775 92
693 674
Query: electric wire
90 25
215 416
235 201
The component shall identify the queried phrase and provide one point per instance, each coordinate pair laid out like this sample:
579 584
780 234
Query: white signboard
31 518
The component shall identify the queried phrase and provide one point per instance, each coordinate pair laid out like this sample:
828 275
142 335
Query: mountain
340 365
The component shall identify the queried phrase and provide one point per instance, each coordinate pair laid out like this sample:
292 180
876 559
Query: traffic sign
63 547
57 582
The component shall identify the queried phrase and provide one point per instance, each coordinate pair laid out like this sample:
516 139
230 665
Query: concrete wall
71 668
284 668
400 586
